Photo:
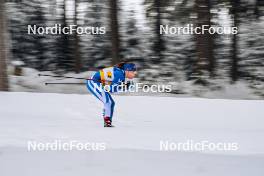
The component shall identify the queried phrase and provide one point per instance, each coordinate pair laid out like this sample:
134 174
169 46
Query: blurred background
213 66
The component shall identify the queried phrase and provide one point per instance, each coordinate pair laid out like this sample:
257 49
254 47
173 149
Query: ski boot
107 122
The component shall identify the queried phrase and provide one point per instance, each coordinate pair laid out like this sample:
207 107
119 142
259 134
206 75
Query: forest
132 34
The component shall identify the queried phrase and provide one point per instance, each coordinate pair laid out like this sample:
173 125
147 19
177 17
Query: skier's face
130 74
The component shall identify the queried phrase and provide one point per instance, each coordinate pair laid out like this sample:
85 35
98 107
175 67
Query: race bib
107 75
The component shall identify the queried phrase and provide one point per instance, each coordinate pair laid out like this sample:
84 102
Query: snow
18 63
31 82
133 146
138 8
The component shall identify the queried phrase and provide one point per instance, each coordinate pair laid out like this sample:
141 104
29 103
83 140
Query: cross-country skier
113 78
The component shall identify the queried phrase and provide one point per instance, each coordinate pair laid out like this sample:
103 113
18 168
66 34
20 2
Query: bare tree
3 56
155 13
256 8
76 41
159 44
235 59
204 42
114 31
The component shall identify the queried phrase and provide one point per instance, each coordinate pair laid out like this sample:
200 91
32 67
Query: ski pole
57 76
70 77
47 83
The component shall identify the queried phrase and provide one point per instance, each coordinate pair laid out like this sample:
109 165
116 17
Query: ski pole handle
70 77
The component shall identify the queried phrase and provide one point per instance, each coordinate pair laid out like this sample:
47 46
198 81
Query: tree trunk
114 31
159 44
210 38
234 66
3 50
204 42
256 9
76 42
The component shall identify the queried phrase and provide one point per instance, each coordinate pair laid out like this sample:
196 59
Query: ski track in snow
132 147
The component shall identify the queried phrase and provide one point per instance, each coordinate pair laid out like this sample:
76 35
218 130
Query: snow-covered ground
133 146
29 81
